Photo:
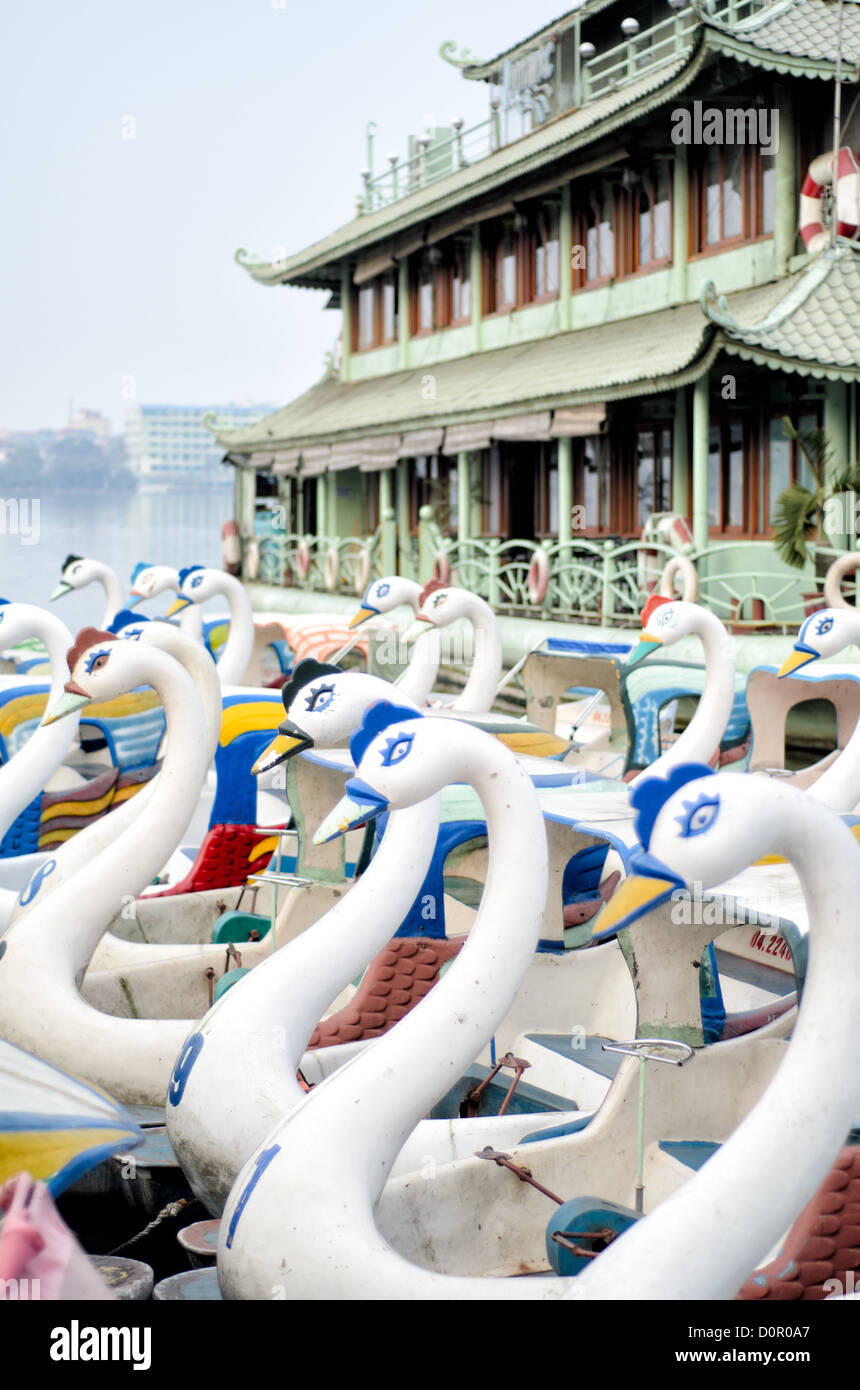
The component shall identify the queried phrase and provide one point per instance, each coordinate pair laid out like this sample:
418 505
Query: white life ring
538 581
664 528
303 559
362 570
441 567
231 547
820 176
332 569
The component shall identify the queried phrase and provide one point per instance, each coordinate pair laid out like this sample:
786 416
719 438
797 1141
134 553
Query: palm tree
801 513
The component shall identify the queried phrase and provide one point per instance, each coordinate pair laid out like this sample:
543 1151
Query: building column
404 547
785 184
248 502
837 428
476 282
346 322
388 523
700 463
680 213
476 519
322 518
680 472
403 312
464 497
565 252
565 492
331 504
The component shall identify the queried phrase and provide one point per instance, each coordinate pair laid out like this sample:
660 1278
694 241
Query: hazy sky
248 116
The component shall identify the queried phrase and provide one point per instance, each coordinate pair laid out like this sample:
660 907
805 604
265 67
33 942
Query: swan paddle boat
281 1229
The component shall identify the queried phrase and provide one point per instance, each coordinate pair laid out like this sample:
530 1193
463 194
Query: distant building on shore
175 443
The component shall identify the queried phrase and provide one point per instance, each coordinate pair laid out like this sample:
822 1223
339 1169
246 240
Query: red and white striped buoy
820 176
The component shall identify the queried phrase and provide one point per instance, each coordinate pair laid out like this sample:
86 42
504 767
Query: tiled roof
802 28
813 326
631 357
532 152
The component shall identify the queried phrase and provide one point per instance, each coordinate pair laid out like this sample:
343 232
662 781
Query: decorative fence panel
580 581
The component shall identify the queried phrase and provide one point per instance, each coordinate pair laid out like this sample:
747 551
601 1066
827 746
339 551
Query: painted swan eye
382 590
439 600
396 749
699 815
132 634
96 660
197 581
320 699
823 625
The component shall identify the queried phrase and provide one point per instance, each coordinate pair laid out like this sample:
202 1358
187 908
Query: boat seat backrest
822 1248
770 700
394 982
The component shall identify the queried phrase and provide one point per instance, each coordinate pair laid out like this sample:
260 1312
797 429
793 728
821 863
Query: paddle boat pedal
200 1242
192 1286
129 1280
580 1229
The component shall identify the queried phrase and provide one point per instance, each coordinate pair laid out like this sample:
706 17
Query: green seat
237 926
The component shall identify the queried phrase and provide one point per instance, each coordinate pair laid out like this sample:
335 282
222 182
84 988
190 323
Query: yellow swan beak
280 748
362 616
178 606
795 660
632 899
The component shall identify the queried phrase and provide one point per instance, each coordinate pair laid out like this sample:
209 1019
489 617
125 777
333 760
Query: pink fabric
36 1244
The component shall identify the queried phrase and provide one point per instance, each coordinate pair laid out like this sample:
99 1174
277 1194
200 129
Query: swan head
323 706
665 621
77 572
149 580
439 605
383 595
196 585
823 634
696 828
100 668
389 735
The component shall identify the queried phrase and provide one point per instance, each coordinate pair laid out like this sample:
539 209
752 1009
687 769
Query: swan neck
701 738
240 639
479 691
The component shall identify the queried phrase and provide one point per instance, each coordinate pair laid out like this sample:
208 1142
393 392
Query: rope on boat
172 1209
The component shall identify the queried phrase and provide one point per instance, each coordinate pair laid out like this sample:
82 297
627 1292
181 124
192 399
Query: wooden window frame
746 530
655 428
752 202
776 412
579 274
529 242
377 286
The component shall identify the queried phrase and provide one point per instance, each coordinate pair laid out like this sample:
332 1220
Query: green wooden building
592 309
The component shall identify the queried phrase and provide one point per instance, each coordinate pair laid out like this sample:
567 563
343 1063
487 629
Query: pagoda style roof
792 36
473 68
812 328
316 266
788 36
632 357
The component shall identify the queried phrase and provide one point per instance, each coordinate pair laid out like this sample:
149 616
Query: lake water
173 527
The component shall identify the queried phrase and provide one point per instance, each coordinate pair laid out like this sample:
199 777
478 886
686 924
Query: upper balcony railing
435 156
